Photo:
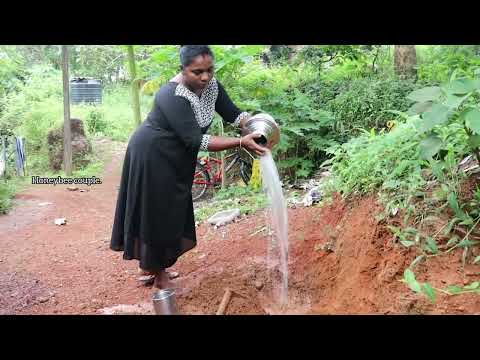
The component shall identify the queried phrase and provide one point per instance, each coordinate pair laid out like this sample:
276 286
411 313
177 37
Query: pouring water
279 219
270 131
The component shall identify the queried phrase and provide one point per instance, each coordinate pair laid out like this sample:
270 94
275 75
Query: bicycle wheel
245 170
201 180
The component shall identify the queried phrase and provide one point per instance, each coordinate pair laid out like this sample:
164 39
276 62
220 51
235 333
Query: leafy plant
454 102
420 288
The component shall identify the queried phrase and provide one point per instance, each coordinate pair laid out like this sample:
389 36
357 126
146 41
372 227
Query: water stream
278 218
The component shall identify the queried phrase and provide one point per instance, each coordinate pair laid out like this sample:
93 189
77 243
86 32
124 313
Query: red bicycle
203 178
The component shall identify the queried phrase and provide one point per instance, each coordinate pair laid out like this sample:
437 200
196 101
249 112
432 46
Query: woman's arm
219 143
229 112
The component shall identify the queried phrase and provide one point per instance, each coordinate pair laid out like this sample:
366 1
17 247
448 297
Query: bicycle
203 178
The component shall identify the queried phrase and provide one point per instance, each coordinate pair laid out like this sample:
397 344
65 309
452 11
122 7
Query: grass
243 198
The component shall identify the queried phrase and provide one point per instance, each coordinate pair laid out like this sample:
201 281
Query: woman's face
199 73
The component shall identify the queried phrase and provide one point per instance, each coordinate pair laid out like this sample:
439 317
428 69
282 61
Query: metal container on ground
164 302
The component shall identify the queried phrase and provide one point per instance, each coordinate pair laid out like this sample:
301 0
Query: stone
258 285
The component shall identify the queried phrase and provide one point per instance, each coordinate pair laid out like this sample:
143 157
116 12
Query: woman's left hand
249 142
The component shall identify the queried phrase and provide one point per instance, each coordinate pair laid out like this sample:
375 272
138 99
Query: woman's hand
248 142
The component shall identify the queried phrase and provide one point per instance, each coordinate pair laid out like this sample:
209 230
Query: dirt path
342 260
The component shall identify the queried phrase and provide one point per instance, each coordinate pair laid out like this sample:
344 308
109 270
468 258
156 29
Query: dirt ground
342 261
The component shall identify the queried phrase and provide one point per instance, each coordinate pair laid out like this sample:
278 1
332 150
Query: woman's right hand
248 141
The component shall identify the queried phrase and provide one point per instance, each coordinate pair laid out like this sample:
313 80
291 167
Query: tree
133 76
67 136
405 60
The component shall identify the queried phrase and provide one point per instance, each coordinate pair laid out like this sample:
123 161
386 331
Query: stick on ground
224 303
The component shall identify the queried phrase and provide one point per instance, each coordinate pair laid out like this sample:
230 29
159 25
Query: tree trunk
405 61
67 130
133 76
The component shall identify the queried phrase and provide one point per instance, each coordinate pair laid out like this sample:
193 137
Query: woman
154 220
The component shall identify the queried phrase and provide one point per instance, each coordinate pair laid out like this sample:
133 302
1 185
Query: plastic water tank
84 90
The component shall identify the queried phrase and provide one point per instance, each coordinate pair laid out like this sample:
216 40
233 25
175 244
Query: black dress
154 219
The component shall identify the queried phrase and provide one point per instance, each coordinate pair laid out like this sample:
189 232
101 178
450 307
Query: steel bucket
265 125
164 302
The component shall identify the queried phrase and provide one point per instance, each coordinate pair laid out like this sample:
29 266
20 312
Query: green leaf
402 114
407 243
454 289
430 93
472 286
466 243
460 86
477 260
429 291
437 115
452 200
419 108
430 146
432 245
454 101
474 141
472 120
409 278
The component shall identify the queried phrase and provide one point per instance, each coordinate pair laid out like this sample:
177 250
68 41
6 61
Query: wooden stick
224 302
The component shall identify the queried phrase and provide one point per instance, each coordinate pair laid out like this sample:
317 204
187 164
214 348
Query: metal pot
265 125
164 302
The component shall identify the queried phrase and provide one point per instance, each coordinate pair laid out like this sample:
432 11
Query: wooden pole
133 75
224 302
67 130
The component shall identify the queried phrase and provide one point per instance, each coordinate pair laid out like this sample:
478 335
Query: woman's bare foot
162 280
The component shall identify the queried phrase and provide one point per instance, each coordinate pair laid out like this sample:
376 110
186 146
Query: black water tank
84 90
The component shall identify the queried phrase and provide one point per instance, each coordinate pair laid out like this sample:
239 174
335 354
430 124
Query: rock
45 203
72 188
224 217
43 299
60 221
258 285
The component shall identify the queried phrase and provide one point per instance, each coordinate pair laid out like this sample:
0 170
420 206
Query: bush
7 191
364 103
437 63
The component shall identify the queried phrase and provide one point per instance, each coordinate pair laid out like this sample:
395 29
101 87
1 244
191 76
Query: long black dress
154 219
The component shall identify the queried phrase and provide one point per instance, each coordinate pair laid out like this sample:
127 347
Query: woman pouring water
154 218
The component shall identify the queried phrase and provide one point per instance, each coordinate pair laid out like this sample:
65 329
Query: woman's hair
190 52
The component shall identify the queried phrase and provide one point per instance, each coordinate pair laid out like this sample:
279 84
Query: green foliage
438 63
11 71
160 63
421 288
363 103
103 62
384 160
7 191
